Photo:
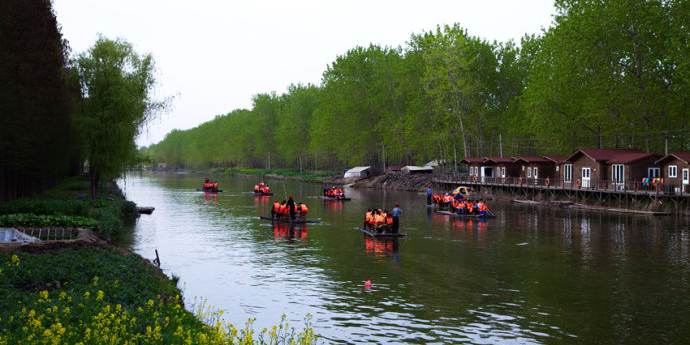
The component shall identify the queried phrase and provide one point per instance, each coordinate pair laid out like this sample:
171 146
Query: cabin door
487 172
686 176
586 176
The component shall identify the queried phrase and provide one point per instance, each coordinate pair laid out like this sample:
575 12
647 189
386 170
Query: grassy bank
99 296
92 293
292 174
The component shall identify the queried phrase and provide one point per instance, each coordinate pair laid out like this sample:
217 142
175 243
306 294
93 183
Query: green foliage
116 83
47 207
606 74
33 220
38 145
101 296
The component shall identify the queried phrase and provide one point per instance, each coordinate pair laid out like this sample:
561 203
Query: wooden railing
574 184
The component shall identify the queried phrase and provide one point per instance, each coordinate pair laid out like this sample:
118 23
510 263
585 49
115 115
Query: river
532 275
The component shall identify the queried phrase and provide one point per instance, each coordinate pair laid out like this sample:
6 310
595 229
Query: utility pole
500 144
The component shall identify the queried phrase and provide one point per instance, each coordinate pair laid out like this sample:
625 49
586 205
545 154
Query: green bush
101 296
109 224
47 207
33 220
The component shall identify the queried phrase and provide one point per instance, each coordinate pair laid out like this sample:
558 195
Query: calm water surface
533 275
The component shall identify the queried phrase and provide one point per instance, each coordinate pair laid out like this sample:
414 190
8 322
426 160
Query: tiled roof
602 154
555 158
473 160
628 158
531 159
499 159
683 156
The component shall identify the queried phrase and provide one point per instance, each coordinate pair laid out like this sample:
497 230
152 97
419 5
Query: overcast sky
214 55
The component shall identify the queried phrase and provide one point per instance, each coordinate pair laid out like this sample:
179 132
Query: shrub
47 207
33 220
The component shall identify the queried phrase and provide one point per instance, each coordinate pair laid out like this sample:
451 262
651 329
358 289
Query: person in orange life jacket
275 208
302 209
367 217
389 217
291 207
282 210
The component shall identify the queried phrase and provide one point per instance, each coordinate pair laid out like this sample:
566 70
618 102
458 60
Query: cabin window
617 173
653 172
672 171
568 173
529 172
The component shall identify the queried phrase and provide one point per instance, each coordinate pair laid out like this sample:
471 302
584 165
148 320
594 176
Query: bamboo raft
260 194
333 199
381 234
461 215
288 220
209 190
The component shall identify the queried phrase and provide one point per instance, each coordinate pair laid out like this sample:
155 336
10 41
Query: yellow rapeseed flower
99 296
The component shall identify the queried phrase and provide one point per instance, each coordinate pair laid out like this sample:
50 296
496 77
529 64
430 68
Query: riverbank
85 290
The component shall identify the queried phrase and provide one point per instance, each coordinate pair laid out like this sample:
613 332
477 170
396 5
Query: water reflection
290 232
533 274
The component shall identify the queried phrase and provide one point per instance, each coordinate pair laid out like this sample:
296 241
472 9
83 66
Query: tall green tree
37 147
116 85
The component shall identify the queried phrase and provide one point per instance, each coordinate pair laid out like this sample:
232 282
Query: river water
532 275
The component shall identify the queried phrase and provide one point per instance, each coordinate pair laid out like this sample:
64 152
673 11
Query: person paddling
397 212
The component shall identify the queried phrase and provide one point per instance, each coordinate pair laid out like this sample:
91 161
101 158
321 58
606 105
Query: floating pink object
367 284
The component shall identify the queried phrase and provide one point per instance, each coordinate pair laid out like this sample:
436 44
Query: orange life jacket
276 206
304 208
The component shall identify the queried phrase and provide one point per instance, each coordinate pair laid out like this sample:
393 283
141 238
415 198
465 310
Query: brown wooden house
675 170
562 169
631 167
504 169
590 166
533 168
473 165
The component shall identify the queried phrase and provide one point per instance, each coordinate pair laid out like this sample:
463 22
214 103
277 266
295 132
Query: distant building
411 169
162 166
358 172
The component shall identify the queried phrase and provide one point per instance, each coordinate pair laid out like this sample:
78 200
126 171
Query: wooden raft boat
453 214
209 190
381 234
287 220
333 199
260 194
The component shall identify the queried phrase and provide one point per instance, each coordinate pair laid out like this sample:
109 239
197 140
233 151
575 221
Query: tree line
61 113
606 74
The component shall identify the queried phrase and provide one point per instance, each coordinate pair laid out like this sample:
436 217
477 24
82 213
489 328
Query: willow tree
116 85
